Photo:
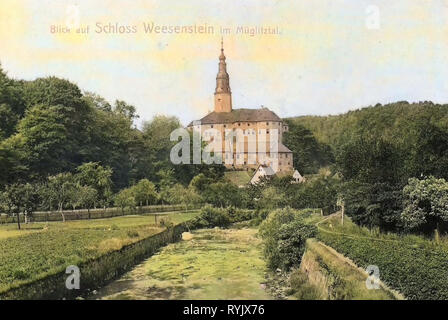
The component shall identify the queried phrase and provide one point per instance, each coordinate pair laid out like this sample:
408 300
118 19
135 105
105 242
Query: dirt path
215 264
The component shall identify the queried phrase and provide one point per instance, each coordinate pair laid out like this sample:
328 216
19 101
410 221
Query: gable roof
267 169
262 171
240 115
282 148
297 175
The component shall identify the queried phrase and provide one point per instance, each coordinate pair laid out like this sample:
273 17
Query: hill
393 121
239 178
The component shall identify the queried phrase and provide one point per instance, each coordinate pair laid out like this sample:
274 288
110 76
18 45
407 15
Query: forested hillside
392 122
393 161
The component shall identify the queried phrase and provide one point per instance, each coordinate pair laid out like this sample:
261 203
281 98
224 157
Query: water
215 264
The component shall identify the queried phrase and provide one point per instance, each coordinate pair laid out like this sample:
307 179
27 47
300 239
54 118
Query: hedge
418 272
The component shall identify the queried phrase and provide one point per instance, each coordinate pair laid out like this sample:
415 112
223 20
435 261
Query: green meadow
41 249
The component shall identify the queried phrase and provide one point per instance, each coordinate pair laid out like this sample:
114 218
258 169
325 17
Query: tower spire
223 95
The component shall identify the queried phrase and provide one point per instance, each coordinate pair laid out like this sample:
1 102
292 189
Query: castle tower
223 95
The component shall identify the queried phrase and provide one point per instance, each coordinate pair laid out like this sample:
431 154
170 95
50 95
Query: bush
417 271
240 215
425 203
284 234
211 217
291 243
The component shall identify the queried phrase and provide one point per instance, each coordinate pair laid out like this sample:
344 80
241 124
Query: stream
212 264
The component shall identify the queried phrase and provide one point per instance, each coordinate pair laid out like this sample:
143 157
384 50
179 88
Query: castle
258 123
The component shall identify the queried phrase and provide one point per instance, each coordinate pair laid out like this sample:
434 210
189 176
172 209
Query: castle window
224 126
211 126
248 124
267 131
239 124
267 123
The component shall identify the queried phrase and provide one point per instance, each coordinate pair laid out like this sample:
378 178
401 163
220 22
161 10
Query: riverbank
34 263
214 264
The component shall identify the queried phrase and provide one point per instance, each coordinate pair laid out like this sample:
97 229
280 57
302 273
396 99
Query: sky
328 57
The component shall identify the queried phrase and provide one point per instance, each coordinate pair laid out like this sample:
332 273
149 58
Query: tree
96 101
200 182
82 196
125 199
425 204
113 142
428 150
74 198
223 194
157 145
29 199
308 154
44 139
11 199
145 192
60 188
370 160
54 125
271 198
12 105
127 110
178 194
191 198
88 197
174 194
94 175
12 169
20 198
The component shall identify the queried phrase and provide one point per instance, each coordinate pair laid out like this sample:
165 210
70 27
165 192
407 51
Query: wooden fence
98 213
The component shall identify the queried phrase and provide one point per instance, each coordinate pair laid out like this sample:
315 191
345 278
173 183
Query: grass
215 264
46 248
239 178
332 277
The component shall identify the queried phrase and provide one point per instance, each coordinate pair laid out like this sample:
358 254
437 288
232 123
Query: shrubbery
211 217
284 234
418 272
425 204
222 217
